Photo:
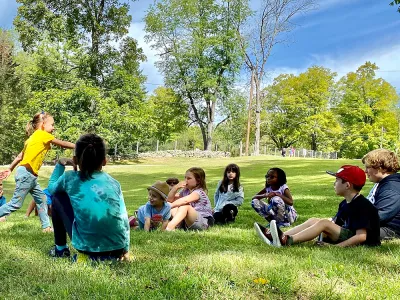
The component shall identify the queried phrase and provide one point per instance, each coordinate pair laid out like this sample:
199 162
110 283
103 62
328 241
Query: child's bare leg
179 214
191 216
301 227
30 209
328 227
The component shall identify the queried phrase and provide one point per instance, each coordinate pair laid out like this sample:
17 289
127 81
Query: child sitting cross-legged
361 225
156 211
88 205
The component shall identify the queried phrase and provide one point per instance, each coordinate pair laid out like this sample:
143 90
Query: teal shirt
101 220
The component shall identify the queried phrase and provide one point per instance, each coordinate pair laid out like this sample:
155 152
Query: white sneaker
260 231
274 232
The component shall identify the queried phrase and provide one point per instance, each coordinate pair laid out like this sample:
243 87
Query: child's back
99 211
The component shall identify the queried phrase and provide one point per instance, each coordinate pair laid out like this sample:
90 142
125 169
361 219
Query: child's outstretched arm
6 173
63 144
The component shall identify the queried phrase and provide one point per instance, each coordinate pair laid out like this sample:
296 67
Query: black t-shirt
342 213
362 214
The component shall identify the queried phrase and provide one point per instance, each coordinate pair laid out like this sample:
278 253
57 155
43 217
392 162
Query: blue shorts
2 200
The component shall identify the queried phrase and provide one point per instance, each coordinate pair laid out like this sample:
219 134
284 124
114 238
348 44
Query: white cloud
386 58
154 78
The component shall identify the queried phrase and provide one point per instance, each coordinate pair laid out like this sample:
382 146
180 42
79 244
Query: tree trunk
258 118
249 114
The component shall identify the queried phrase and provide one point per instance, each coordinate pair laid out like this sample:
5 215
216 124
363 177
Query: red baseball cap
352 174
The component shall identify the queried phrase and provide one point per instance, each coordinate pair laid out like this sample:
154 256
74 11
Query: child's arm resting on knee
287 197
63 144
260 195
193 197
358 238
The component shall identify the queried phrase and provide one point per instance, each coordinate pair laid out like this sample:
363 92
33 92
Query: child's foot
279 238
263 233
48 229
3 219
59 253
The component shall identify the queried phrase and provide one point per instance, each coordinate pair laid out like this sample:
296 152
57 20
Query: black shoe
59 253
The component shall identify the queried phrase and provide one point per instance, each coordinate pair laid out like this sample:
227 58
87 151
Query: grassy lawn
228 262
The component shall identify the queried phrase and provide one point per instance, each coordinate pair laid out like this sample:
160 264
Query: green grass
221 263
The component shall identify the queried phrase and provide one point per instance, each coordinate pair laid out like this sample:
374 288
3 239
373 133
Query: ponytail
36 121
90 152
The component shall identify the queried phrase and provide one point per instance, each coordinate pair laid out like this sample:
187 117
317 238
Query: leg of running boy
41 205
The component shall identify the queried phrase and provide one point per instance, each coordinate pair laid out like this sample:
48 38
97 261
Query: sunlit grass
228 262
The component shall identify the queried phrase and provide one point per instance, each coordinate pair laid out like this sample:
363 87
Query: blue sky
339 34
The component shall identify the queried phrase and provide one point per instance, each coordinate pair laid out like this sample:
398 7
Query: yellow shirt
35 149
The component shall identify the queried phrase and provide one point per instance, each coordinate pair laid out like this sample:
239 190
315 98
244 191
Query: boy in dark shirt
360 226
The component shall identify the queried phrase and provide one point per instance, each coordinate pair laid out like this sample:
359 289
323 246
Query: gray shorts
201 223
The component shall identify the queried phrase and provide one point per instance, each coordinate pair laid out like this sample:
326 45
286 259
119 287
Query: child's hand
67 162
4 174
181 185
322 244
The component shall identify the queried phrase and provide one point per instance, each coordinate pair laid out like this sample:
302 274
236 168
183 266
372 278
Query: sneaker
278 237
263 233
231 217
59 253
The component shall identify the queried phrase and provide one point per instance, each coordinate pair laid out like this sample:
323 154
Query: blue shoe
59 253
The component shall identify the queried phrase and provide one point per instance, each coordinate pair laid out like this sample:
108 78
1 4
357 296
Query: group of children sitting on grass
88 204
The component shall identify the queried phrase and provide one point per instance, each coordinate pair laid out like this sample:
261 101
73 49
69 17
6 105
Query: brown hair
382 159
37 119
172 180
200 177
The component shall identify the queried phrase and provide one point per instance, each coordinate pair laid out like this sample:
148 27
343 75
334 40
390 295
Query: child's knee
256 204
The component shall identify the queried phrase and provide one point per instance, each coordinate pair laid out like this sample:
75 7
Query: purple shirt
203 205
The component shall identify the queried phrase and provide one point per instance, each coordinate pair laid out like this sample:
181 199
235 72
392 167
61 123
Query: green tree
297 110
396 2
198 46
366 107
169 113
14 91
91 24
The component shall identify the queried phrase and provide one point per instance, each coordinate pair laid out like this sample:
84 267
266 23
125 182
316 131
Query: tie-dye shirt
101 220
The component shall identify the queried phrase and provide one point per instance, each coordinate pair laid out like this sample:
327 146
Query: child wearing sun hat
156 212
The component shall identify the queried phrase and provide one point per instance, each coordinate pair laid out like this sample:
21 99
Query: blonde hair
34 124
200 177
382 159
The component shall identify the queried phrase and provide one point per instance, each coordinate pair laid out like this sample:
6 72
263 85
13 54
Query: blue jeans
2 201
27 183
